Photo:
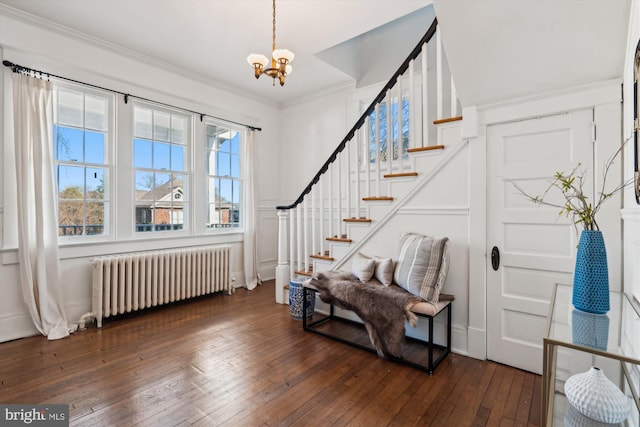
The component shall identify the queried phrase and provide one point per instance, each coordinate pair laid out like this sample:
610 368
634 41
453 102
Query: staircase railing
401 119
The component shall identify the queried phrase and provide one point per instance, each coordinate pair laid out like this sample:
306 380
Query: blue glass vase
591 276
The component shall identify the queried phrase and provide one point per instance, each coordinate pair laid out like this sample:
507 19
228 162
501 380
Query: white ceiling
210 39
504 49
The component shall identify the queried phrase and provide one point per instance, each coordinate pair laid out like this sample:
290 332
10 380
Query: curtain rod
26 70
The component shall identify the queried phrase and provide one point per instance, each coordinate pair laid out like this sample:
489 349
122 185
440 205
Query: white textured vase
595 396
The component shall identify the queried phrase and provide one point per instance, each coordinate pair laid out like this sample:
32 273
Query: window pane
70 218
235 198
225 144
94 147
70 182
144 185
142 153
161 126
95 183
95 218
178 129
142 122
213 216
210 162
177 157
95 115
235 142
69 144
226 192
177 214
224 164
235 166
161 153
70 107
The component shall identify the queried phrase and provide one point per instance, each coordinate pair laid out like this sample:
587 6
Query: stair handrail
392 81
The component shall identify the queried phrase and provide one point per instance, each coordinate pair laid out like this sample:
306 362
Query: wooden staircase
372 171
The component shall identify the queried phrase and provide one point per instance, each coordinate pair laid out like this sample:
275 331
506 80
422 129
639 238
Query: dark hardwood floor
241 360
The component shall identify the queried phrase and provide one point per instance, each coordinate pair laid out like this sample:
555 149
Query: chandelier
280 59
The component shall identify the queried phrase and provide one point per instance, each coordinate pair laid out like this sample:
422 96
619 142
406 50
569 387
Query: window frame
108 165
188 171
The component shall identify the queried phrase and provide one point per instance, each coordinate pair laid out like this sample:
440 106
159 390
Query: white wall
51 49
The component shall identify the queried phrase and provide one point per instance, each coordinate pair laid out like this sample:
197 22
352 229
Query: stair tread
427 148
339 239
304 273
357 219
447 120
324 257
401 174
383 198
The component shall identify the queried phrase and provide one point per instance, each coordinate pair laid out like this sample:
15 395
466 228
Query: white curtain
37 207
248 211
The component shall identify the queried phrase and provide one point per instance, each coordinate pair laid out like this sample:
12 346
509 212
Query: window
80 139
160 140
382 117
224 184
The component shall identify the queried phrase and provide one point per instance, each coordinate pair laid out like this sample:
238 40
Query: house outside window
81 136
382 118
160 141
224 179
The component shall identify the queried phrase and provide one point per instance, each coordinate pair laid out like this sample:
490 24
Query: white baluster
412 107
283 270
454 100
314 236
367 154
322 235
300 235
305 224
377 112
425 100
292 242
389 133
331 193
339 192
400 141
358 142
348 154
439 83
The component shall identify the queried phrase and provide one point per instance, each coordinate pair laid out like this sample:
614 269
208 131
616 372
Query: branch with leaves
576 203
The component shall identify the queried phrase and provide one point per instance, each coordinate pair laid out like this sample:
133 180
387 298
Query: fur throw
383 309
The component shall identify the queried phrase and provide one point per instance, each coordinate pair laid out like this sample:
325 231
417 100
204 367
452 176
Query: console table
575 341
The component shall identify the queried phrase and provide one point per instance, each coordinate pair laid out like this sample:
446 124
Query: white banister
425 101
292 242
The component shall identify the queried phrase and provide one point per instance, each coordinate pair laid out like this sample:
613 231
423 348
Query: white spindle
377 112
358 165
339 192
425 101
292 243
400 141
412 107
322 235
389 133
300 250
366 155
348 154
331 193
306 232
439 89
314 234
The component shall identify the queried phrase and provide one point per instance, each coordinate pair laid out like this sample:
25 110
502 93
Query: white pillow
363 267
384 270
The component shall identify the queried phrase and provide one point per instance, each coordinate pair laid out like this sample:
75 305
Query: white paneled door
529 247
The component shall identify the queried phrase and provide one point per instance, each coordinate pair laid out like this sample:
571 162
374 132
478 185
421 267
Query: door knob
495 258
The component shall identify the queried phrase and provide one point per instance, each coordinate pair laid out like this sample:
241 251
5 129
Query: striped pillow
422 266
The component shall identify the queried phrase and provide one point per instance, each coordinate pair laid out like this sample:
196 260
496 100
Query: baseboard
477 341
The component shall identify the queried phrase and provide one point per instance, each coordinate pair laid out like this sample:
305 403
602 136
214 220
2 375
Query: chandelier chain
274 26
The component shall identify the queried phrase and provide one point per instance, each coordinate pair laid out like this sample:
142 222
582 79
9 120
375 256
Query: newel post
282 270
